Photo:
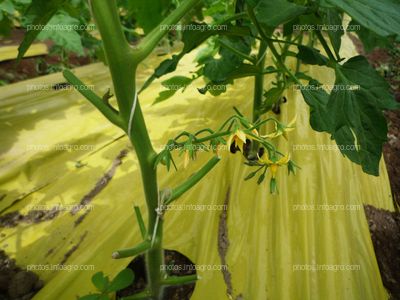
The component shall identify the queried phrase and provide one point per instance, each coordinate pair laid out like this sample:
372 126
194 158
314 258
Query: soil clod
384 227
16 283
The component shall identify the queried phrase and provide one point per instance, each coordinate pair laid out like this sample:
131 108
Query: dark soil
32 67
180 266
384 227
16 283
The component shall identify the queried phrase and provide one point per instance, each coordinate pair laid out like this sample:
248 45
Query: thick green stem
259 82
155 260
123 61
118 54
123 71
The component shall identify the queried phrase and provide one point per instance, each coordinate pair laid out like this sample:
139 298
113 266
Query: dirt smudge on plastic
14 218
73 249
99 186
223 246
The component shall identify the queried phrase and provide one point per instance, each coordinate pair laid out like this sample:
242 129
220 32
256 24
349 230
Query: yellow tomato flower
282 130
238 139
274 164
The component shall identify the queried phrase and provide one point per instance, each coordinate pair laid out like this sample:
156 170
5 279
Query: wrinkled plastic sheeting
270 236
11 52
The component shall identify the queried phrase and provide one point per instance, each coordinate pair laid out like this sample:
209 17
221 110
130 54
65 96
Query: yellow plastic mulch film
55 147
11 52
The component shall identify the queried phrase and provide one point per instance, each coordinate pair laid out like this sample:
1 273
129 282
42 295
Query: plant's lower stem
123 61
154 260
123 70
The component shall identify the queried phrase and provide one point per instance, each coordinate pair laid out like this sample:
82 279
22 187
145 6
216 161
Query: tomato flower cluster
236 134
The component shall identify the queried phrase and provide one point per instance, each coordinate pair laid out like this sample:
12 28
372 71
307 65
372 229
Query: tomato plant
238 37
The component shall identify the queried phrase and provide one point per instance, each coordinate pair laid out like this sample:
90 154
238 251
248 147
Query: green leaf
274 13
261 178
122 280
346 141
192 39
100 281
382 17
360 111
311 56
173 85
218 87
317 99
148 16
219 69
291 168
332 18
251 175
272 96
42 11
91 297
358 71
5 26
178 82
164 95
369 39
7 6
69 39
352 114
